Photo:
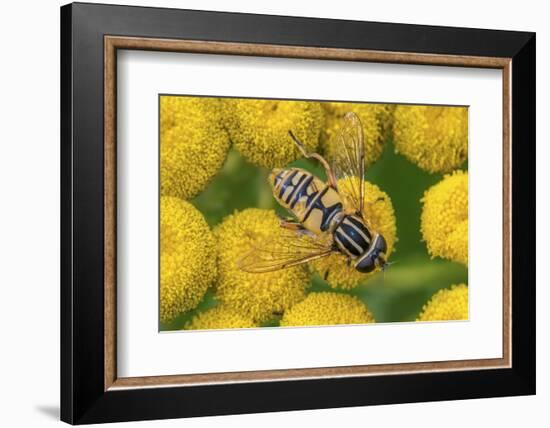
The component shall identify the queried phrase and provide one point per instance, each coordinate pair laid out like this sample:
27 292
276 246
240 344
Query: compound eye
366 265
381 245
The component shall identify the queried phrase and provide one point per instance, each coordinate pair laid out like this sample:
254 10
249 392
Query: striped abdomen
314 203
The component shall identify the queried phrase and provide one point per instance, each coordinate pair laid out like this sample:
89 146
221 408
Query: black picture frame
83 396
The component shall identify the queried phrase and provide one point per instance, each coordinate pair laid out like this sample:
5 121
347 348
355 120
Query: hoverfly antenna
384 268
298 142
387 264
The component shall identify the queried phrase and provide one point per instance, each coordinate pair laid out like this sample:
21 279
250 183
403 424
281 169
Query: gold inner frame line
113 43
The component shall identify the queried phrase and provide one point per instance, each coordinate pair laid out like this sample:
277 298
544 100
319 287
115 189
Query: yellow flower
193 144
257 295
327 309
381 219
434 138
259 129
447 304
187 257
444 219
376 121
218 318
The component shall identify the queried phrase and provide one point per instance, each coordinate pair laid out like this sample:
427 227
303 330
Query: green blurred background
397 294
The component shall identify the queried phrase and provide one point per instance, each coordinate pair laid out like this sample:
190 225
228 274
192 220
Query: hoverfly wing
349 162
291 248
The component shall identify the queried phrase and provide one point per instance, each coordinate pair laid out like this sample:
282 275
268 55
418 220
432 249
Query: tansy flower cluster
187 257
444 221
196 135
261 296
328 309
447 304
434 138
259 129
193 144
220 317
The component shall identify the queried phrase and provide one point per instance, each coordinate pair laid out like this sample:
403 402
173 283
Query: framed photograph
265 213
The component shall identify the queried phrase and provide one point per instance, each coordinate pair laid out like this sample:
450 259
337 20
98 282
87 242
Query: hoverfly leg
370 204
296 227
287 219
291 225
379 199
331 177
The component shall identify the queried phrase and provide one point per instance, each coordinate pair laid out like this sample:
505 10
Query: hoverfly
325 219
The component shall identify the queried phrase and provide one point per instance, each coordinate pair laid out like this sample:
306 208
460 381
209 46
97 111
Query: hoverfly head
374 257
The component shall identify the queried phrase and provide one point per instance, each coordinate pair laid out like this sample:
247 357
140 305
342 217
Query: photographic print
291 213
295 183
